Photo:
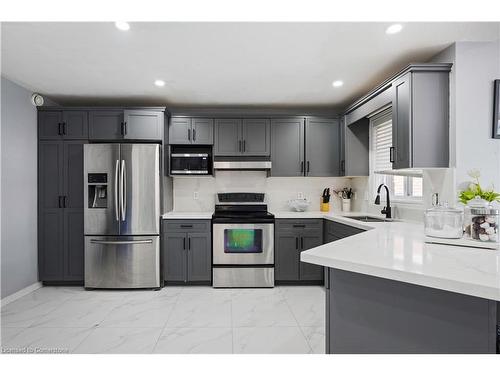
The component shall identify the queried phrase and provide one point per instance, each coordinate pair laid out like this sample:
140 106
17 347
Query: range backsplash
278 189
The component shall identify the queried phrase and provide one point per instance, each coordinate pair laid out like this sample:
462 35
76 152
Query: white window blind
382 145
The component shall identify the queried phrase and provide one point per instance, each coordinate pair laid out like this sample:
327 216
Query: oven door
189 164
243 244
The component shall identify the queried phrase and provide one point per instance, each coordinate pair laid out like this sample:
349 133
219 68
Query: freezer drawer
122 262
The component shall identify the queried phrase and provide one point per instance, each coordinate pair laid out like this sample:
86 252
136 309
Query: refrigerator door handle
123 190
132 242
117 215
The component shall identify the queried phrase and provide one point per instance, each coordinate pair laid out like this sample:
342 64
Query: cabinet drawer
297 225
340 230
198 226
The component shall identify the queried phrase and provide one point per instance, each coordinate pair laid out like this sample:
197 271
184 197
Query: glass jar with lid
482 220
444 222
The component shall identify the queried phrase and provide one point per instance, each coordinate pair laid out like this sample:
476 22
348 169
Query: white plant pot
346 205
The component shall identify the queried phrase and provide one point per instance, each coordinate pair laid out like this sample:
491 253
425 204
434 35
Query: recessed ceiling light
159 83
122 25
337 83
394 29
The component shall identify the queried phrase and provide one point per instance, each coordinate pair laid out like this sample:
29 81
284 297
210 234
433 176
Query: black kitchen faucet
387 209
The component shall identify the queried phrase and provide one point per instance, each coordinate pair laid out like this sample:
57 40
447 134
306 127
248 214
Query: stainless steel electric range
243 241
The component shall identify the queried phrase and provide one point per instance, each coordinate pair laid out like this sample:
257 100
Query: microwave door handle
117 215
123 190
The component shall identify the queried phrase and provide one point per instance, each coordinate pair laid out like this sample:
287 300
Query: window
404 185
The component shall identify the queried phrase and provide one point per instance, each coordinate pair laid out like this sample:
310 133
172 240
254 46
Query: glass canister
483 220
444 222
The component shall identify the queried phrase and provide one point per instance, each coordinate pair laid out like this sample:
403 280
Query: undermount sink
368 218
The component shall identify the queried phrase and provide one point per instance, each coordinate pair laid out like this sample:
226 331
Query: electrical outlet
195 195
300 195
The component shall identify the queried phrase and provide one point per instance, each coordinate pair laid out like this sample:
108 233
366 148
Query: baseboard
21 293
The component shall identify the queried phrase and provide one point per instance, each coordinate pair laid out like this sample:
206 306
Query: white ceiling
252 64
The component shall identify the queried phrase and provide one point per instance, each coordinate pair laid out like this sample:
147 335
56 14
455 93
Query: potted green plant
475 190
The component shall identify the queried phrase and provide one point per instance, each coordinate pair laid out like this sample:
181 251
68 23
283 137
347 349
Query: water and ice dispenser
98 190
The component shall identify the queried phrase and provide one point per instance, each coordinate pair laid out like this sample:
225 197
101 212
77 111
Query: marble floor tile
8 333
140 312
84 312
28 309
297 291
261 309
132 340
316 338
48 340
269 340
199 310
195 341
308 311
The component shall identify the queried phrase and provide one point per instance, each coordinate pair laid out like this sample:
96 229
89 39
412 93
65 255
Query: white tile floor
173 320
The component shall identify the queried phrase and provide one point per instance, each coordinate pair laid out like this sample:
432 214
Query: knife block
324 207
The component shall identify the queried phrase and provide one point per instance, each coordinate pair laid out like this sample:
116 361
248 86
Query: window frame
375 120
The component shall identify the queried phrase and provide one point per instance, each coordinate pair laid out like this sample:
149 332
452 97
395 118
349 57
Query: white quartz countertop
397 251
187 215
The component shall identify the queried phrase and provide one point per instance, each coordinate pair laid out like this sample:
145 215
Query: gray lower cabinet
62 125
187 130
322 150
60 200
291 238
110 125
242 137
186 251
287 147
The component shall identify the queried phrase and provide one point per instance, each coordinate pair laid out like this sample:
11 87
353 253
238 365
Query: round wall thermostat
37 99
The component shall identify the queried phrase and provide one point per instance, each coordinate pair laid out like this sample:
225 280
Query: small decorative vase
346 205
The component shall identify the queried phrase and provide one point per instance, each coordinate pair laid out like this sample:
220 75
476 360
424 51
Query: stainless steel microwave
189 163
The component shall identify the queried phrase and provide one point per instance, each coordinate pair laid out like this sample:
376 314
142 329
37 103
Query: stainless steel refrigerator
122 215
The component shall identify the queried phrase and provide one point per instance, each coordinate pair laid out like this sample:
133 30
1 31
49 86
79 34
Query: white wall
18 189
278 189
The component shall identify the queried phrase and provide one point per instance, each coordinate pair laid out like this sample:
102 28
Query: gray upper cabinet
322 151
247 137
106 125
186 130
62 125
228 137
143 125
420 119
256 137
202 131
287 147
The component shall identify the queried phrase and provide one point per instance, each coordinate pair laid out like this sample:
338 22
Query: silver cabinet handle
132 242
117 164
123 191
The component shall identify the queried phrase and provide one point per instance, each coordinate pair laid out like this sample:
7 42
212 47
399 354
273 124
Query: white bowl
299 205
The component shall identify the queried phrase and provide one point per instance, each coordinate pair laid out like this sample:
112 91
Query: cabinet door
342 156
74 244
199 259
256 137
228 137
286 257
50 174
50 245
401 122
143 125
322 147
174 256
73 174
179 131
106 125
287 147
75 125
310 271
202 131
50 124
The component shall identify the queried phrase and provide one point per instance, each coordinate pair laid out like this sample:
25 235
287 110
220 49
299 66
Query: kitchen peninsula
387 291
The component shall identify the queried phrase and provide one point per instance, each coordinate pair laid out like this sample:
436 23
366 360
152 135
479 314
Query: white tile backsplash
278 189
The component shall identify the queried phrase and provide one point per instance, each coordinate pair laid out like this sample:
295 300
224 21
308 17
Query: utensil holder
324 207
346 205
